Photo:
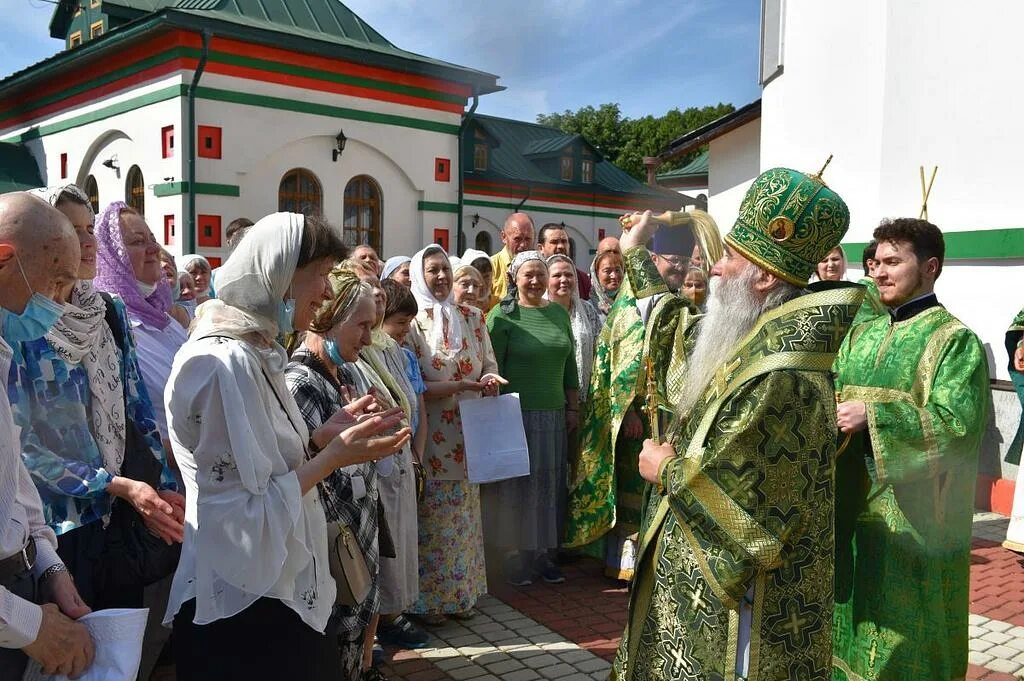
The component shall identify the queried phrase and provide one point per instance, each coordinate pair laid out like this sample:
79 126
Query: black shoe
402 633
373 674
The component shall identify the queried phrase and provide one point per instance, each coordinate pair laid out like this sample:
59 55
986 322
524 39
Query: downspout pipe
460 237
190 239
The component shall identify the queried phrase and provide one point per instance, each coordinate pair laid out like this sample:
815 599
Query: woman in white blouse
253 593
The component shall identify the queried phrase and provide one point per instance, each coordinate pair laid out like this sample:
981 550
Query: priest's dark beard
733 309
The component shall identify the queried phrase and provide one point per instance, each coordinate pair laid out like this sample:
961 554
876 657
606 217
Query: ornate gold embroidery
737 523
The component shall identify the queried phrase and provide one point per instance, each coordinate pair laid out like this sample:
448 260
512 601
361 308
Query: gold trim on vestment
755 626
732 645
736 522
845 668
705 568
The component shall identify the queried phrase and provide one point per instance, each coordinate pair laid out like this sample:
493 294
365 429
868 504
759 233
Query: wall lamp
339 146
112 163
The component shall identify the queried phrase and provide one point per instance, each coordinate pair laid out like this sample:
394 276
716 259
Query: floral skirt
451 558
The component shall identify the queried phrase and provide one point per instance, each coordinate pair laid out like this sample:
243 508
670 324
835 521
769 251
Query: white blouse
155 349
249 532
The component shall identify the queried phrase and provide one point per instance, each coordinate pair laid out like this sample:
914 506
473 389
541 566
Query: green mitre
788 222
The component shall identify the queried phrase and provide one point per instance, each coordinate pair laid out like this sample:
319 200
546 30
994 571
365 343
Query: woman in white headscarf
482 262
455 356
199 268
252 594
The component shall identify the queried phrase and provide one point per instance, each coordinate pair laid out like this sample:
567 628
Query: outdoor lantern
340 141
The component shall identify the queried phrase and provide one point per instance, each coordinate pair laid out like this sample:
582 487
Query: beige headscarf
252 284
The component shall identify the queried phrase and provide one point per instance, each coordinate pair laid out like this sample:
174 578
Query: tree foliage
625 141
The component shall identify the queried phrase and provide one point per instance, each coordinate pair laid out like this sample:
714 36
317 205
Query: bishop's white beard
733 309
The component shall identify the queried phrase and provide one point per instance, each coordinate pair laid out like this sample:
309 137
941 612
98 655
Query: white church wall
890 86
734 162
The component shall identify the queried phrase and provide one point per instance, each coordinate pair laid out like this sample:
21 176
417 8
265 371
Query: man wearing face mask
39 256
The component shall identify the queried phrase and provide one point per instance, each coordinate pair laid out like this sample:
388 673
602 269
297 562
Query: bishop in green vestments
734 571
915 396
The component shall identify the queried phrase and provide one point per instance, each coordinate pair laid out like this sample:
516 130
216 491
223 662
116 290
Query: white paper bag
495 438
117 635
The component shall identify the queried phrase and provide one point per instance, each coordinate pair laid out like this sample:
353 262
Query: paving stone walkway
570 631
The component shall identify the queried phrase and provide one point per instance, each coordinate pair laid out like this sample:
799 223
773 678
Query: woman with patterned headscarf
586 324
533 345
128 266
319 383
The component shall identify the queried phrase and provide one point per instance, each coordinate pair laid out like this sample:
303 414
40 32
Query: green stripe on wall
978 244
438 206
236 98
175 188
100 114
268 102
565 211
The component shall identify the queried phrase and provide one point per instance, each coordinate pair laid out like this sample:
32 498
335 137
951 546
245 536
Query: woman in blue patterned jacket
75 393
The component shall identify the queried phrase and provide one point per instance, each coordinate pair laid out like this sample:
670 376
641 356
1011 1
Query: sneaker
552 574
402 633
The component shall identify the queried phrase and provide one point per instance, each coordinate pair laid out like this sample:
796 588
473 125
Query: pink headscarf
114 273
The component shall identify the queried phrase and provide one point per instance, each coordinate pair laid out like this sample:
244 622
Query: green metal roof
18 169
519 139
290 24
696 168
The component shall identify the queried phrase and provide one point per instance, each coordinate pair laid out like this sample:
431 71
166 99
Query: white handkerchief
117 635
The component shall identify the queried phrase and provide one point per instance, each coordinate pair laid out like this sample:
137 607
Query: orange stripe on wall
325 86
246 49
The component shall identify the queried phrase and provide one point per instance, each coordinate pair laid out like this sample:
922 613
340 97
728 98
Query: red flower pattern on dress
448 415
438 437
459 453
437 363
466 366
435 464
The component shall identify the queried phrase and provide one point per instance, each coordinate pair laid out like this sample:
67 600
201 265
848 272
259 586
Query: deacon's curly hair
924 237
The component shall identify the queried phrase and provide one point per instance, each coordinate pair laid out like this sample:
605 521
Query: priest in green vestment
606 490
914 394
734 569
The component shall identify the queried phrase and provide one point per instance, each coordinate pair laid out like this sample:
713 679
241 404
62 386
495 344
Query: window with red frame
209 141
167 141
209 231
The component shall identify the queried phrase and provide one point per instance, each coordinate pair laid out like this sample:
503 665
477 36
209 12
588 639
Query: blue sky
552 55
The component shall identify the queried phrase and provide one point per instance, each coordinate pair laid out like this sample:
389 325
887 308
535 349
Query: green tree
625 141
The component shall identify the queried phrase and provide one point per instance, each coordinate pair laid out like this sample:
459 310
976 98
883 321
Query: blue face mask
39 316
332 351
285 316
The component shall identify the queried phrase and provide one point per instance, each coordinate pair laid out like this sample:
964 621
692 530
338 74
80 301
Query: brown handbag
348 565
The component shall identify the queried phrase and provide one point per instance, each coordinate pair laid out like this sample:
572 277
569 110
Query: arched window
135 190
93 192
300 192
483 241
362 212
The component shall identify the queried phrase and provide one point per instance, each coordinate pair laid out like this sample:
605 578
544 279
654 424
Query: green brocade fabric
741 537
873 307
1013 336
606 490
905 498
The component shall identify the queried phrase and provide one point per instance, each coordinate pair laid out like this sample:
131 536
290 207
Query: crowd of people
270 456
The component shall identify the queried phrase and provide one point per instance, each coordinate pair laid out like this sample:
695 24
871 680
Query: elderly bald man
517 236
609 243
39 257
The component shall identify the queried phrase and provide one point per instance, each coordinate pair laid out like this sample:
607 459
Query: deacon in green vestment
734 570
914 393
